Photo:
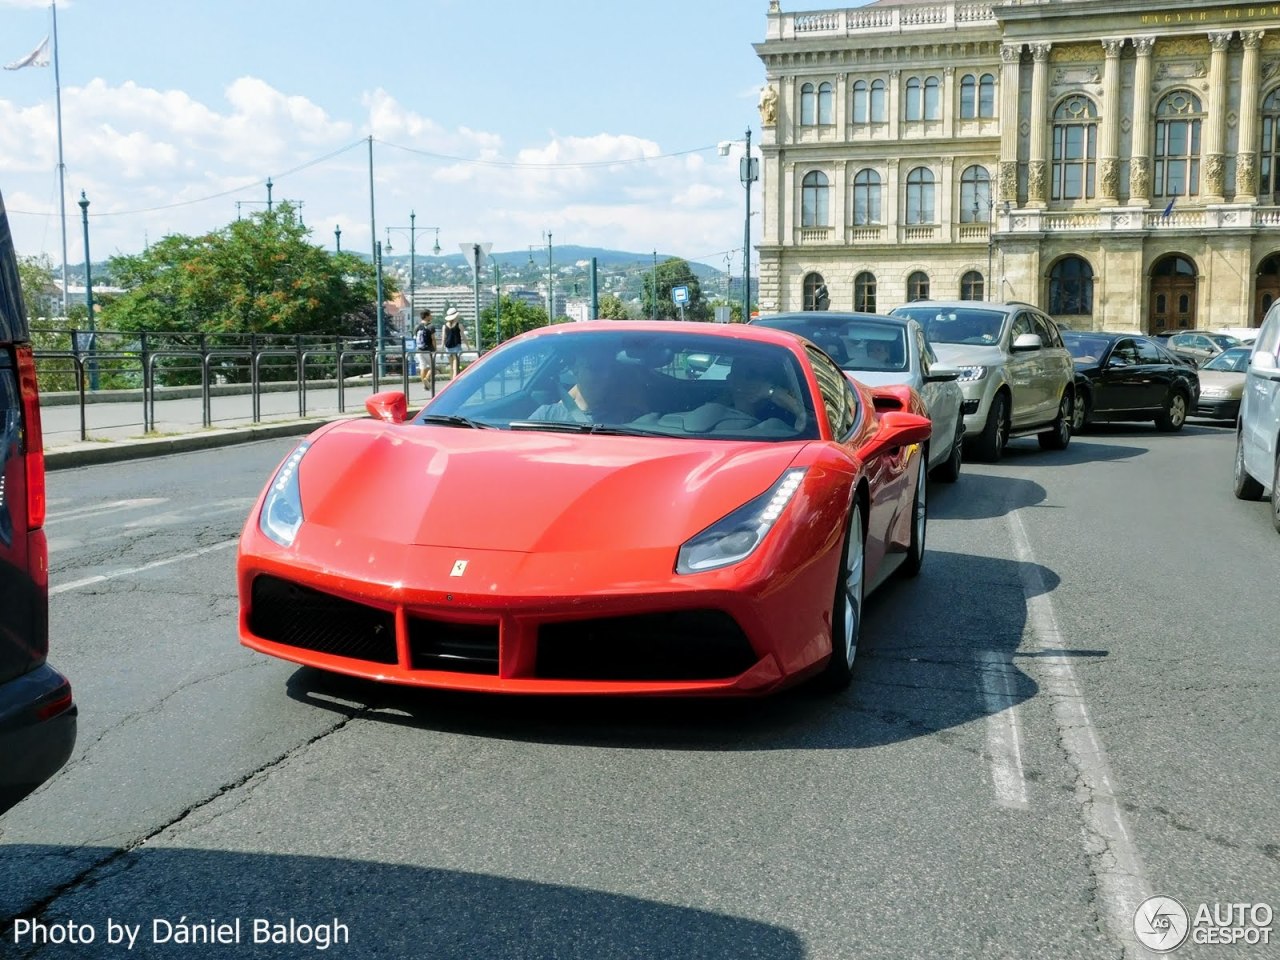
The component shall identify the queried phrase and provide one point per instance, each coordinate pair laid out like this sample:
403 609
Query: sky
494 121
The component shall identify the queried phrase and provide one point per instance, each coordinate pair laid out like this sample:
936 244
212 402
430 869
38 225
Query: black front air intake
298 616
458 647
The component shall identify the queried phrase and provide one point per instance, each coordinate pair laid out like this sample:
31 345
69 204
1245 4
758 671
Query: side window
838 397
1148 352
1045 328
1125 354
922 348
1269 336
1021 324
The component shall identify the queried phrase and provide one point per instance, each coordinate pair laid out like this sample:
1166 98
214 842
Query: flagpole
62 167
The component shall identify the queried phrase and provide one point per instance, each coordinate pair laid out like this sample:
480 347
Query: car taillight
29 390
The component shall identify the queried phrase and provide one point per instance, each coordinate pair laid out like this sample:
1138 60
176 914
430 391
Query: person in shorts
453 340
425 345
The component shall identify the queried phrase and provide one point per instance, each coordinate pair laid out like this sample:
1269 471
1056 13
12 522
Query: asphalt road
1073 708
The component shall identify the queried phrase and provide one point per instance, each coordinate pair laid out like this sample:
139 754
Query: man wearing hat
453 340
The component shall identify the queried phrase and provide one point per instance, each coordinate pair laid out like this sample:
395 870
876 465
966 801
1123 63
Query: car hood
969 355
527 491
1234 382
881 378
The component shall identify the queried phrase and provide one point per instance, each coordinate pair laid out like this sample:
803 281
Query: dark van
37 712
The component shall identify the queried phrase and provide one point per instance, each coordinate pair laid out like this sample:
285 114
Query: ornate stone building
1115 162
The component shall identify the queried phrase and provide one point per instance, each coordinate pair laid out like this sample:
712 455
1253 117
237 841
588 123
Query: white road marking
101 509
1004 734
1113 855
116 574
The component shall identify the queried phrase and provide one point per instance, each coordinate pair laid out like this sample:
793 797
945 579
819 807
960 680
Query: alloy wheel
852 578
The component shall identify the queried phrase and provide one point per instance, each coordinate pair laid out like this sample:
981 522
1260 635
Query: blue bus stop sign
680 295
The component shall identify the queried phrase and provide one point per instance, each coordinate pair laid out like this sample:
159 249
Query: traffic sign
680 295
475 254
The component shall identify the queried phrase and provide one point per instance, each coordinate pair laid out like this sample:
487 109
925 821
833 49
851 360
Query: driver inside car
753 390
604 391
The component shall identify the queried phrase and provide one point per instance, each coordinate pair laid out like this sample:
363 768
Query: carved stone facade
1003 139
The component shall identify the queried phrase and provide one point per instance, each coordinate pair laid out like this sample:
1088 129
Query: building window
814 200
918 286
972 286
920 196
866 198
1269 170
815 105
975 195
1075 148
1071 287
1177 162
977 96
815 292
869 102
924 101
864 292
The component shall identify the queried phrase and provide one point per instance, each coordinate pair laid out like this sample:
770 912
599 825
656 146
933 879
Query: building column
1037 175
1007 177
892 203
895 104
949 102
1247 148
1140 151
1109 139
1216 126
842 107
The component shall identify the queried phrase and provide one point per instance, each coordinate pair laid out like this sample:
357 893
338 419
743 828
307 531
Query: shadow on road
1024 452
387 910
982 496
937 653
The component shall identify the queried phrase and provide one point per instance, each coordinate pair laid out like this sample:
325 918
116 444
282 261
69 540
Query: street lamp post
378 368
412 229
748 173
88 293
551 294
337 238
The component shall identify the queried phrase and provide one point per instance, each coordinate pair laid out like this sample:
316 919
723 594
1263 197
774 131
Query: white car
879 351
1257 468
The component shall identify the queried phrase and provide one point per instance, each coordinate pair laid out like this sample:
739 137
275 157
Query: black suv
37 712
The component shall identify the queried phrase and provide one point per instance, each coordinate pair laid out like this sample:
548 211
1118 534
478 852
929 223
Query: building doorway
1267 287
1173 295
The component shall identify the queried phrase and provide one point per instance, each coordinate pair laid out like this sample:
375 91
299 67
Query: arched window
915 99
933 99
1075 148
1071 287
968 97
808 105
826 97
815 292
1177 162
864 292
987 96
866 198
918 286
814 201
975 195
1269 169
920 196
868 101
972 286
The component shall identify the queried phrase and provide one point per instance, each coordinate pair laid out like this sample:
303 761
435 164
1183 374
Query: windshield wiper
453 420
568 426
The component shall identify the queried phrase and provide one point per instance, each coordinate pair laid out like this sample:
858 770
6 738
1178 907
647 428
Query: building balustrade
925 16
814 234
866 234
921 232
972 232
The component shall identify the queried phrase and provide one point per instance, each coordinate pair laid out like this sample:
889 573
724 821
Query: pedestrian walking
453 340
425 344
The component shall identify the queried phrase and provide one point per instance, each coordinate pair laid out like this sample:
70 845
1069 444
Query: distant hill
609 260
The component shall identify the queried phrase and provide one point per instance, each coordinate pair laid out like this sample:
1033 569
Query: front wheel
919 525
846 607
949 470
1080 414
1242 484
1059 436
995 432
1174 414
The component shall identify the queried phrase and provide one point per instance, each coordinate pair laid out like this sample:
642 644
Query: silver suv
1258 432
1017 376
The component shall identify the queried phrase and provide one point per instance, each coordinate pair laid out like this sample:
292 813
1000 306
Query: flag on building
1169 209
39 57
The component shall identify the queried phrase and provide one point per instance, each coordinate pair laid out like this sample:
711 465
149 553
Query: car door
1120 385
1157 374
1023 373
942 398
1260 403
1057 369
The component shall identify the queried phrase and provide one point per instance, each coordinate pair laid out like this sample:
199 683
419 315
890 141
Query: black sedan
1123 376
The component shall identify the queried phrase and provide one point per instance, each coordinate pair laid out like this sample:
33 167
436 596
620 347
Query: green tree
612 308
517 317
35 274
673 272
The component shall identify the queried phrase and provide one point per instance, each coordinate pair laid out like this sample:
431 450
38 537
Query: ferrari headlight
282 509
970 374
733 537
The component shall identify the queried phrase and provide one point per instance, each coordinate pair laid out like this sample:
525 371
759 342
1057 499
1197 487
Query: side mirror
389 405
941 374
1027 341
897 429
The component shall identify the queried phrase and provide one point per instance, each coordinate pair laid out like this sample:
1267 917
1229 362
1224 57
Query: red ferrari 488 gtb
605 508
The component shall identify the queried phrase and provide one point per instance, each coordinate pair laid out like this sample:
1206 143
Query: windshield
956 324
1085 349
852 342
1235 360
1224 340
645 383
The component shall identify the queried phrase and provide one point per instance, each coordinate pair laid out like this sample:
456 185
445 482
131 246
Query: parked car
583 513
37 710
1121 376
1016 375
879 350
1257 466
1222 384
1199 345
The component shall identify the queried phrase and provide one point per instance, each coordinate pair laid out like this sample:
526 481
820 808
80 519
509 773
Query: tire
1275 494
995 432
1242 484
846 607
949 470
1174 414
919 526
1080 414
1058 437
